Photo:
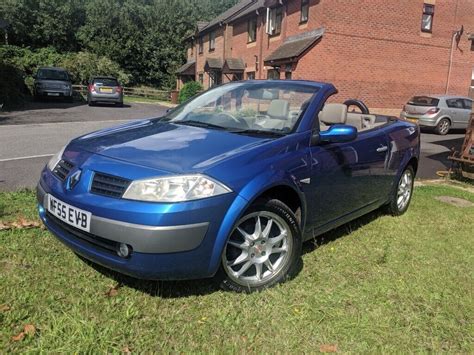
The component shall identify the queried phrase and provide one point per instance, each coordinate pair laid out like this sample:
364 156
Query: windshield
51 74
267 107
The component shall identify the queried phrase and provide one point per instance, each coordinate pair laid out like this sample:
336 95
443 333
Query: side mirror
339 133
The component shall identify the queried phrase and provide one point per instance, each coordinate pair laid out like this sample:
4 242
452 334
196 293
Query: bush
189 89
84 65
13 89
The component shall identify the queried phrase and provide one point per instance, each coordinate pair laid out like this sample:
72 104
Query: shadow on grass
341 231
202 287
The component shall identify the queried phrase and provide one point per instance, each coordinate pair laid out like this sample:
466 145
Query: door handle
382 149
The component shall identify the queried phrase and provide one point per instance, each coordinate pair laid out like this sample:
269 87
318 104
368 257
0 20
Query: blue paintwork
341 181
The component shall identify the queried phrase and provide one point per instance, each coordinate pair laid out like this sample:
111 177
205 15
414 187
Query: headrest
279 109
333 114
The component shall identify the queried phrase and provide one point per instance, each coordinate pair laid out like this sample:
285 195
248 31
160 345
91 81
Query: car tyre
91 103
402 194
443 127
119 104
263 249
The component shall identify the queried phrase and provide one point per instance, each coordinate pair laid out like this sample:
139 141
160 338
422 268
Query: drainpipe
450 61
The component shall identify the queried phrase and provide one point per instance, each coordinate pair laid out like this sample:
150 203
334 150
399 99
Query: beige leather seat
279 109
332 114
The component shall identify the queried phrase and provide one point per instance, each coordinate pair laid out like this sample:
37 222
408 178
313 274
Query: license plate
107 90
69 214
53 94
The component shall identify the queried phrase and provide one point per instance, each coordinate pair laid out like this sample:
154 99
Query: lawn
380 284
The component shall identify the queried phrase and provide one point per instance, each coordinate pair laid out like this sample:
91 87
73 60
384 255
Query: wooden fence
140 92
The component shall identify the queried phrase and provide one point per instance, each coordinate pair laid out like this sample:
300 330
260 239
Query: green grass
141 99
380 284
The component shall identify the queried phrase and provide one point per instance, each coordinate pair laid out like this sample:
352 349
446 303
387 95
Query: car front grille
62 169
104 244
108 185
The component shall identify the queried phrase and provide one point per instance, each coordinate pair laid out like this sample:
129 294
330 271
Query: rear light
432 111
404 108
91 88
119 89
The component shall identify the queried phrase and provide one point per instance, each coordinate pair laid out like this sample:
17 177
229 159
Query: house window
275 18
252 30
212 41
427 18
251 75
288 72
304 11
201 78
201 45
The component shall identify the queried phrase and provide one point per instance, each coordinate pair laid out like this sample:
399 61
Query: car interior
334 113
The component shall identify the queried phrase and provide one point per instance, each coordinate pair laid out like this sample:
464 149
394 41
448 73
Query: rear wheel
443 126
401 197
263 249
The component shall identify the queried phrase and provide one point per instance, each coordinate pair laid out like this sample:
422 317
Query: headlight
175 189
55 159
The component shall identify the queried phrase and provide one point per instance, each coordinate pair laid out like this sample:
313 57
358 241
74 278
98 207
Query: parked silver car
439 112
52 82
104 89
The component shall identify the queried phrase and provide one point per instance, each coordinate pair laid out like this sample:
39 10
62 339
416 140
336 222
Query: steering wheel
238 120
359 104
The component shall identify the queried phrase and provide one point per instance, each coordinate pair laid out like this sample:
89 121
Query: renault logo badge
73 180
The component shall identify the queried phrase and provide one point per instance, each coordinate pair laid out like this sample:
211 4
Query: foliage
145 37
84 65
380 284
13 90
189 89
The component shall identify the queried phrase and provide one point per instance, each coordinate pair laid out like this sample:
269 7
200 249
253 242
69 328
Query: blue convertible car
229 184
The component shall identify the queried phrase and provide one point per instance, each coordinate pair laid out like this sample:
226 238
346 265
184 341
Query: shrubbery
12 86
189 89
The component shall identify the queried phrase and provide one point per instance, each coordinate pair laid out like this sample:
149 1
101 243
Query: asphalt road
28 138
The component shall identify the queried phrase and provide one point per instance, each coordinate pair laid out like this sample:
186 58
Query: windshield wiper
199 124
259 132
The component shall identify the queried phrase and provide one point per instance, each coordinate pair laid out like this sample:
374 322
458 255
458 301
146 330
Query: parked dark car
104 89
53 82
228 184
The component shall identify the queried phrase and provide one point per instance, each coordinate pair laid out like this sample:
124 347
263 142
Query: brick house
380 51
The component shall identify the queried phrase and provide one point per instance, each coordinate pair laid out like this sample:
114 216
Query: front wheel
401 197
263 249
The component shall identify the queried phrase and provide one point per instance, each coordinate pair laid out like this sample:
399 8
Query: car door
347 177
456 111
467 112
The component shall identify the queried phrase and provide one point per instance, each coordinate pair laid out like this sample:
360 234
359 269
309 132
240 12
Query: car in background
52 82
439 112
104 89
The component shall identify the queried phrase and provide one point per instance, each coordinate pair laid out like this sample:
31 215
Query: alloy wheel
405 187
258 249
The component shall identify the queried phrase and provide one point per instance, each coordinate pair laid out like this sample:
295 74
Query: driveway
54 111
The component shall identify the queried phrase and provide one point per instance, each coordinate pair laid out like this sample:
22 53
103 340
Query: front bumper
146 239
169 242
53 92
